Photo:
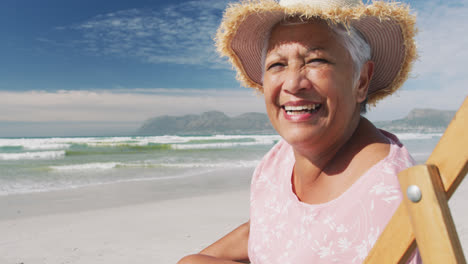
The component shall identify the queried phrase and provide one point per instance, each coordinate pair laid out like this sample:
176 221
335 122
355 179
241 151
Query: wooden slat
430 218
396 242
451 153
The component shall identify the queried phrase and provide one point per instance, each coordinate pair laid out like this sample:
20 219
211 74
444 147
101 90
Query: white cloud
180 34
122 105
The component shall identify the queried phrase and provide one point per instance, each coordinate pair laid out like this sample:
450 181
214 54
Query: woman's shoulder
280 150
380 148
389 154
398 152
279 157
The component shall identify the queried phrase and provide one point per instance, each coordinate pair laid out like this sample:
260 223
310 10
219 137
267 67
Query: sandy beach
136 222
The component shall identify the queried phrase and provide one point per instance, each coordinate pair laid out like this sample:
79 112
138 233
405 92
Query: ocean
44 164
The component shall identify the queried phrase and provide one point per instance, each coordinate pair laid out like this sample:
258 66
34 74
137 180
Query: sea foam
416 136
215 141
222 141
96 166
87 166
42 155
218 145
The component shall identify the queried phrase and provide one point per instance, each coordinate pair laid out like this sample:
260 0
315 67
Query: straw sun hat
389 28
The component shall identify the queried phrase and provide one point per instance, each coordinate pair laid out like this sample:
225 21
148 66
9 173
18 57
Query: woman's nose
296 81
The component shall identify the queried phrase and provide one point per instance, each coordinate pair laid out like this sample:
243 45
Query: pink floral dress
287 231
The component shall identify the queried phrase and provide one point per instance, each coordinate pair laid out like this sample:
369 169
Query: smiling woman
306 67
325 192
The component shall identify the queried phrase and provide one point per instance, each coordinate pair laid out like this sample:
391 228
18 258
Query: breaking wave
42 155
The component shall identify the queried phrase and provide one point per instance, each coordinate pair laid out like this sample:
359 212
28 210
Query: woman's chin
297 136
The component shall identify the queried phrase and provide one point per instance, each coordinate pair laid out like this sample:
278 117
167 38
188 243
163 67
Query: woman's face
308 85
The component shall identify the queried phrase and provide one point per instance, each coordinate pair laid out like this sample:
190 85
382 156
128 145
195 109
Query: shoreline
95 197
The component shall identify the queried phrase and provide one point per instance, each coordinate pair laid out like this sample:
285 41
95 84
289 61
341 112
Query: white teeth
308 107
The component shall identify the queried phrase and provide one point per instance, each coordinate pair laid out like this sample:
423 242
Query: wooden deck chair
429 219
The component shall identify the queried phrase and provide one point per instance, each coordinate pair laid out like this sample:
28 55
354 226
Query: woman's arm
204 259
230 248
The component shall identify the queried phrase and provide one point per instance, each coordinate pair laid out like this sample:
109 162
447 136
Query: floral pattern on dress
344 230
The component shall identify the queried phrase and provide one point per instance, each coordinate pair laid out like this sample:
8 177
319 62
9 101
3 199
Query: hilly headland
208 123
419 121
215 122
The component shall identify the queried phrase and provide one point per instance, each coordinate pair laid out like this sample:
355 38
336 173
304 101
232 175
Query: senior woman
326 191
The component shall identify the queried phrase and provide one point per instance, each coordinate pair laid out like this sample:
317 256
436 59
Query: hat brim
389 28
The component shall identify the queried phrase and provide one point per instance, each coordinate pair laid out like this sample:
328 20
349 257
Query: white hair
350 38
355 43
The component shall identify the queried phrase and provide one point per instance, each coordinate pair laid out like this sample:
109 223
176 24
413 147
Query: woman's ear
365 77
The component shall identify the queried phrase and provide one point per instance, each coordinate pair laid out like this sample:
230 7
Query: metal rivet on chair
414 193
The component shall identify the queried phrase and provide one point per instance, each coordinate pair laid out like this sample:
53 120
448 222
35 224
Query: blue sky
53 45
84 67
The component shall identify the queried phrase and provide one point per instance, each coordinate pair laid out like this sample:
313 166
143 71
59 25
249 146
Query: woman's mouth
302 109
300 113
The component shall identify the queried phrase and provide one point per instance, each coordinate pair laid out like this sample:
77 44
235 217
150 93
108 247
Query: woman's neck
320 179
312 161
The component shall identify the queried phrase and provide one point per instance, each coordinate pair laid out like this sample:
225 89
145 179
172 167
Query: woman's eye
317 60
275 65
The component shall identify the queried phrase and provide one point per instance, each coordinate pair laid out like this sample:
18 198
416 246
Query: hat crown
321 3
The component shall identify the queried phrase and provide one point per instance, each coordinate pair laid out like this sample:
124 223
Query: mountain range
420 120
208 123
214 122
